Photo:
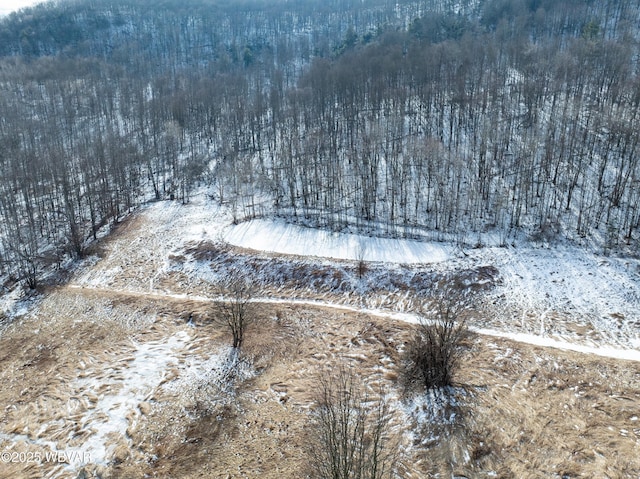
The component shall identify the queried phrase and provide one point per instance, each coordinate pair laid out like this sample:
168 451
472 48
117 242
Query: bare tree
351 437
432 357
235 310
361 253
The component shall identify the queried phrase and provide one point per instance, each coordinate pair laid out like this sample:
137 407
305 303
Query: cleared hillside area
123 371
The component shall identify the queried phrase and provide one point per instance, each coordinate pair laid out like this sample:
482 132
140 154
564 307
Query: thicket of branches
235 310
351 436
432 356
108 104
523 122
411 118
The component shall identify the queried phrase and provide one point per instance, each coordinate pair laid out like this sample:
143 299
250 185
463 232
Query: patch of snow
280 237
546 342
111 414
211 380
433 406
15 303
430 413
104 405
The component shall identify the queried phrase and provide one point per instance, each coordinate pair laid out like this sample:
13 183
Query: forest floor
121 373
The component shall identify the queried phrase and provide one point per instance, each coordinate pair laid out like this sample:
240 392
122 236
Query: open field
122 370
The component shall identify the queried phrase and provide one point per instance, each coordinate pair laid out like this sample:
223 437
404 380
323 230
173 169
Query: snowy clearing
562 293
561 290
144 380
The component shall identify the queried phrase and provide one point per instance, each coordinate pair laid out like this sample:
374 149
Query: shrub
235 310
432 356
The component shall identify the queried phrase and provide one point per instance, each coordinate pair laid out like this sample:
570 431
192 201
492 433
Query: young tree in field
235 311
361 253
433 355
351 437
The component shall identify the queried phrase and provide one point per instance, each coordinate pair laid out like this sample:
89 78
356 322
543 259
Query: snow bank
280 237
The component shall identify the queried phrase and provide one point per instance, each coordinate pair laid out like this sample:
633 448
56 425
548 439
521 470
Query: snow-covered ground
279 237
127 387
135 264
539 286
560 294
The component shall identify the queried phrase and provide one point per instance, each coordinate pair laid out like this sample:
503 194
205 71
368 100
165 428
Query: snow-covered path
535 340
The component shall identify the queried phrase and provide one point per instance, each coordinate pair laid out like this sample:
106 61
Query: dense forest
471 121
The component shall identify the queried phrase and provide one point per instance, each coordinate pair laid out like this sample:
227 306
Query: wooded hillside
465 121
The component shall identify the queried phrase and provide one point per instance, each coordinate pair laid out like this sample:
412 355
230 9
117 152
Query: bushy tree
432 356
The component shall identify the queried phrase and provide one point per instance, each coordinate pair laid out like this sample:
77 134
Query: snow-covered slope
280 237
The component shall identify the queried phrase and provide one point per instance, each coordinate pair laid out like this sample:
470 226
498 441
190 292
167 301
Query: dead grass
543 414
528 412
